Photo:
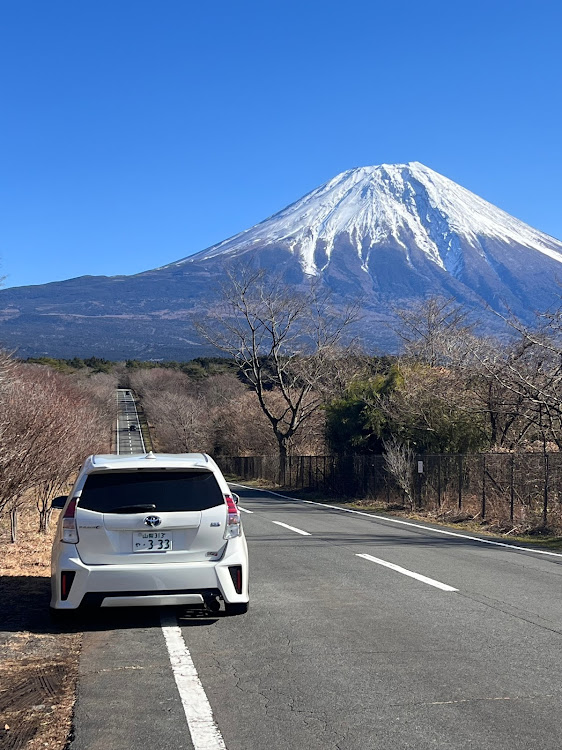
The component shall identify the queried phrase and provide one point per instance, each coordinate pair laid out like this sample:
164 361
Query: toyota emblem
152 521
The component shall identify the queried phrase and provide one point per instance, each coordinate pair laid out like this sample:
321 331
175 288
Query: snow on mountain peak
404 206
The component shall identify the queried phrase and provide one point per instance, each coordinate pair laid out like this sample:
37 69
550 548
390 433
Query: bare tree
6 377
486 378
524 382
158 380
434 331
535 372
285 344
50 427
399 461
218 414
25 434
183 421
174 408
240 426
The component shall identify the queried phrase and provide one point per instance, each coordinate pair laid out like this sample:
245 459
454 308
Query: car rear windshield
118 492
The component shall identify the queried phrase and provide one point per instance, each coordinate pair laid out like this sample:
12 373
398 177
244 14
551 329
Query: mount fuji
387 235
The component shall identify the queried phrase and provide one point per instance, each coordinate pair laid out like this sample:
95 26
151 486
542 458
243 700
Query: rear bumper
148 585
134 599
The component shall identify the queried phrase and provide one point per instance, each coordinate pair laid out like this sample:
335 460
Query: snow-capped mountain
408 206
386 235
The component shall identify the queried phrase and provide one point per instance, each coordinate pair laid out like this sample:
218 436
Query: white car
154 529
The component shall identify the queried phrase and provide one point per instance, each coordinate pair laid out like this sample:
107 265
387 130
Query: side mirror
236 498
59 502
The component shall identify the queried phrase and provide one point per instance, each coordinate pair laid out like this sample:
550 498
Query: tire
239 608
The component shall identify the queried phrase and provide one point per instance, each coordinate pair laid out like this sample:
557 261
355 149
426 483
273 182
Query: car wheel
239 608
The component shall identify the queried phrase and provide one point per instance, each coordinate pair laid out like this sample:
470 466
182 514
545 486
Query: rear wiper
133 508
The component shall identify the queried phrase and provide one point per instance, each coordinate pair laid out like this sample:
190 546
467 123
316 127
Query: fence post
419 478
512 488
439 481
315 473
545 503
386 478
460 482
483 487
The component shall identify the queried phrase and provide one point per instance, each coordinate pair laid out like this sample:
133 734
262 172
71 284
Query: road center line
204 731
292 528
417 576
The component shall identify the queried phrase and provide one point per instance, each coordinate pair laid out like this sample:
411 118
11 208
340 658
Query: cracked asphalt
339 653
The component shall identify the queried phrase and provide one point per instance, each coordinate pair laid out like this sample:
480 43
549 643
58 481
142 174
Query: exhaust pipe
212 603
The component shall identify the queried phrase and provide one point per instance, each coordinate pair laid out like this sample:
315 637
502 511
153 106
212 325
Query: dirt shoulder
38 663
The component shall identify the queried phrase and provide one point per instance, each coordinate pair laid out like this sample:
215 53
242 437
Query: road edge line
202 726
407 523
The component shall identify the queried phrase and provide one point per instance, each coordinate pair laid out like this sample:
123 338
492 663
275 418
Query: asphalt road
129 436
342 652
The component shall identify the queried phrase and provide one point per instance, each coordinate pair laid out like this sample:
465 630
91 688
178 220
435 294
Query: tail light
69 528
66 579
236 575
232 518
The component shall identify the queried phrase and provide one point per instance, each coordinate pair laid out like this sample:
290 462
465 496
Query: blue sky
135 133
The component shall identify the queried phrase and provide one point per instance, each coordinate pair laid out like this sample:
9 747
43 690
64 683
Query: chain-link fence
519 489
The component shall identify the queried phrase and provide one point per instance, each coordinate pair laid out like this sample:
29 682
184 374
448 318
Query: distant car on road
153 529
132 428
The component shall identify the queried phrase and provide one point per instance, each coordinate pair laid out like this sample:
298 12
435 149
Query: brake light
66 579
69 528
236 575
232 518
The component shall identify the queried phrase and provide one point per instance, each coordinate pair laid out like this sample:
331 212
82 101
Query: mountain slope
402 205
388 234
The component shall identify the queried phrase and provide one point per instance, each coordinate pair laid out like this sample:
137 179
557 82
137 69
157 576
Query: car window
167 490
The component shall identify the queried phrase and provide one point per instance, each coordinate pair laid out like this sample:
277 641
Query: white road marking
410 523
417 576
245 509
292 528
204 731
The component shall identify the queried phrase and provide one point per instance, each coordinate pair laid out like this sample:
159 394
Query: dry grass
31 554
39 665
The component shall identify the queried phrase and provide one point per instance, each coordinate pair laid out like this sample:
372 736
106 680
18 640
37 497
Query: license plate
152 541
